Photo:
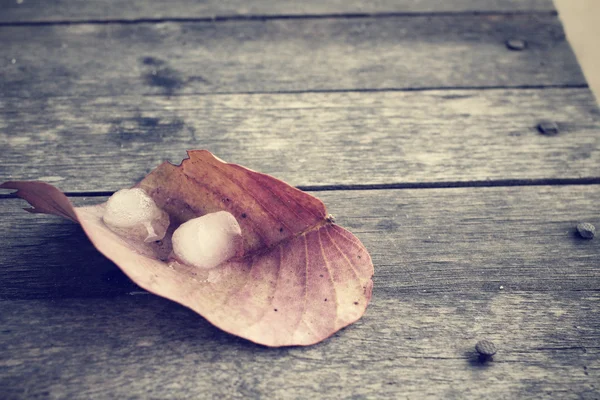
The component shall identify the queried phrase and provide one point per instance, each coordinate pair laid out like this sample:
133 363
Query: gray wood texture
107 143
82 10
463 240
94 94
407 346
94 60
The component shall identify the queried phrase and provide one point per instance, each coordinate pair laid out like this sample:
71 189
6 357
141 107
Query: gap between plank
457 184
380 90
226 18
400 185
355 90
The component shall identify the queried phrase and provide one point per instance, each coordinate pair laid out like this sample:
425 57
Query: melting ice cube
207 241
133 214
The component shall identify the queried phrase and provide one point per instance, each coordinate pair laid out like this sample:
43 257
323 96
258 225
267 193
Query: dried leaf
299 279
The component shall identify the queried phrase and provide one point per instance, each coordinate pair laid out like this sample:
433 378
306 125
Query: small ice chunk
207 241
132 213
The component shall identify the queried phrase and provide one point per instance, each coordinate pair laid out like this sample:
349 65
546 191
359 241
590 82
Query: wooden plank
443 240
285 55
306 139
407 346
78 10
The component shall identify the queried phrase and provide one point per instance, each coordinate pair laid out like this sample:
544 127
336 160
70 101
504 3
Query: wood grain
442 240
78 10
406 346
94 94
105 144
284 55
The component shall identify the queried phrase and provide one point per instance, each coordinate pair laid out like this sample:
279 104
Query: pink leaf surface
297 279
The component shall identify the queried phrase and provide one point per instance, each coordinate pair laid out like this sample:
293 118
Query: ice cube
133 214
207 241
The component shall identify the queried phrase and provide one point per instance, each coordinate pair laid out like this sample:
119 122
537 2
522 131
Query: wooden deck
410 119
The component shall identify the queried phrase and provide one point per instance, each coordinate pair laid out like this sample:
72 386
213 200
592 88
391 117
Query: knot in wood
586 230
486 348
516 44
548 128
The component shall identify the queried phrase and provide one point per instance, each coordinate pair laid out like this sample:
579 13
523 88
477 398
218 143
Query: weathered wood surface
464 240
285 55
417 345
94 94
102 10
104 144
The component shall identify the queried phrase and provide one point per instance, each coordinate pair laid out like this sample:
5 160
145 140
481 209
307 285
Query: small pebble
586 230
13 61
485 348
548 128
516 44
